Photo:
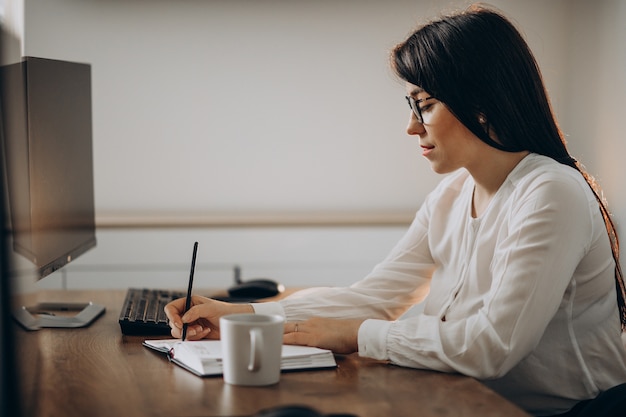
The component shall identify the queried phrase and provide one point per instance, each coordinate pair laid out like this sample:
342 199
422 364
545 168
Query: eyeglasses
414 105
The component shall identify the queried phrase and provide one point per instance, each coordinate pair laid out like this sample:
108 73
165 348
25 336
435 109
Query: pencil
190 286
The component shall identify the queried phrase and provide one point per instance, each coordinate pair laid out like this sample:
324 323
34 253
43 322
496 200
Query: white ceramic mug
251 348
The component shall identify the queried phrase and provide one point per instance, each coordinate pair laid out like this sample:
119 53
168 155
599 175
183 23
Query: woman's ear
487 127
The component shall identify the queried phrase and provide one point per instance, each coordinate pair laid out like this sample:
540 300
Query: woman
513 254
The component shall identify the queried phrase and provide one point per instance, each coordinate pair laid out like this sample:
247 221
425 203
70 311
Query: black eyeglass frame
414 105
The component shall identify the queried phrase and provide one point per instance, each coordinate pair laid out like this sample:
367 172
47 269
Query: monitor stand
59 315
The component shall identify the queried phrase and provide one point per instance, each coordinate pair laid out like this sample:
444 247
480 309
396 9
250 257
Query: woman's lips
426 150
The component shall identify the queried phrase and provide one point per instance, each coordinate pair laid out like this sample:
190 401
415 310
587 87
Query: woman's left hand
338 335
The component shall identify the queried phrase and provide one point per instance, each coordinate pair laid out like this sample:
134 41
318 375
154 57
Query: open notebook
204 357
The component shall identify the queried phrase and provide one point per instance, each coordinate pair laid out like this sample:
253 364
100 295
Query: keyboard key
142 312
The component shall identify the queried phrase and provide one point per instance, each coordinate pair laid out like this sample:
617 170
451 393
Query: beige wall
270 111
246 108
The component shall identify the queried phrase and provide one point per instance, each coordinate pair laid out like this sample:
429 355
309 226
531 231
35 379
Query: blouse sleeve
548 231
392 287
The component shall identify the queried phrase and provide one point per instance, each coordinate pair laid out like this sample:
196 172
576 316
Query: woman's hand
202 318
340 336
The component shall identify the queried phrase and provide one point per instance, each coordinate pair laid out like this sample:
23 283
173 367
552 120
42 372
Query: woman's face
445 141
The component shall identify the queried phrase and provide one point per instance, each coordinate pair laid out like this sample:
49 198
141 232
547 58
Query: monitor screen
48 144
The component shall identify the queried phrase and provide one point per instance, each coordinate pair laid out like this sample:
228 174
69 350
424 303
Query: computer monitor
48 157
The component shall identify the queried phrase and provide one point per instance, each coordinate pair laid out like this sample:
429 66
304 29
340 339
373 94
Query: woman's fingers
202 318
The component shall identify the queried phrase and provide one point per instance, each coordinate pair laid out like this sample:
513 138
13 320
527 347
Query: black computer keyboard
142 313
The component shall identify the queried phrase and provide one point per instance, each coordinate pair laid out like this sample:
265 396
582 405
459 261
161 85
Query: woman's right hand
202 318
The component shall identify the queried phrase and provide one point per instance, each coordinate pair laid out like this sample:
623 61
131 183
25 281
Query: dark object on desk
143 314
253 289
295 411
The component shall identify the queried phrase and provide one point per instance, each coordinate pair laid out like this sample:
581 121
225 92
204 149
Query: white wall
239 106
266 107
12 21
595 110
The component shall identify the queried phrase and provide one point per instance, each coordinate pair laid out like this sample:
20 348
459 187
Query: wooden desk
97 371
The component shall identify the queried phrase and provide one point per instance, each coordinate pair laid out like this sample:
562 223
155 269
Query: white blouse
522 298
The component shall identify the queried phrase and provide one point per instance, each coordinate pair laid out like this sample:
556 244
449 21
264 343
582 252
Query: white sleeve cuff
372 339
268 308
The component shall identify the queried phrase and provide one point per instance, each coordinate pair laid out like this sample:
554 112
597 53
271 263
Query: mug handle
256 348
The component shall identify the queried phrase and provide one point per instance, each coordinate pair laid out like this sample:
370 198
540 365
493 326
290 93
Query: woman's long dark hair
478 64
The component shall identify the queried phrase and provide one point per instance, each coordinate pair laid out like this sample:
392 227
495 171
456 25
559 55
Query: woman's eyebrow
416 91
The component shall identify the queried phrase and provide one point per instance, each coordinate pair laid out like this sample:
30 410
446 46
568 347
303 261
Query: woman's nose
414 127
